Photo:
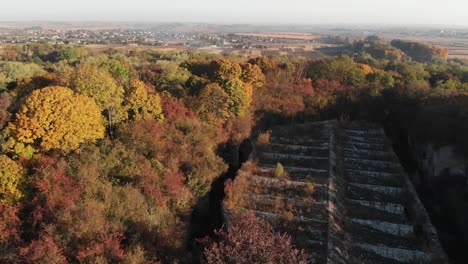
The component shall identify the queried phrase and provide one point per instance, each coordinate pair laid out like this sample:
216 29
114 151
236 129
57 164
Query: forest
106 154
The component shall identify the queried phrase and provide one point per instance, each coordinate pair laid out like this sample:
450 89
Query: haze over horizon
395 12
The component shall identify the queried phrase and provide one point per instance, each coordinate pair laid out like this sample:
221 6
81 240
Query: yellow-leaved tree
213 105
229 74
10 175
141 104
56 118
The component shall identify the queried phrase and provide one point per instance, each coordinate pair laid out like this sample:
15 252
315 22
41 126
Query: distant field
283 35
458 53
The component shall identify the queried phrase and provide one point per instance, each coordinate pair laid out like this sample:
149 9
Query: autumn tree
57 118
266 64
213 104
182 145
341 68
10 176
11 53
5 102
43 250
253 75
240 94
24 86
225 69
9 233
119 70
228 74
250 240
96 82
174 108
420 51
11 71
141 104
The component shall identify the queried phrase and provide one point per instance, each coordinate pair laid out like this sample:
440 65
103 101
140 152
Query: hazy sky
447 12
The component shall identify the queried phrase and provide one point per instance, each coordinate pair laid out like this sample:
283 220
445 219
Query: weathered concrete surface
360 207
440 161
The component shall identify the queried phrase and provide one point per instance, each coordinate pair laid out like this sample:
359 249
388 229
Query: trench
207 215
434 195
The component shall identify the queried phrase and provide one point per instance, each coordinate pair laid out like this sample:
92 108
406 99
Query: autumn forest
105 154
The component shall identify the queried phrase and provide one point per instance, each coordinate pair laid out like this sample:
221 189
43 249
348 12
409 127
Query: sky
397 12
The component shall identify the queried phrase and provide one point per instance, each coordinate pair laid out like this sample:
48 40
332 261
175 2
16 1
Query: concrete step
272 217
372 165
367 154
370 178
361 146
316 235
294 160
300 170
303 141
280 155
400 230
284 183
385 234
296 149
372 210
364 139
374 193
369 132
379 254
290 189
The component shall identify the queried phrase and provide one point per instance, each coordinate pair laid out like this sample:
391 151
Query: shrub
279 171
250 240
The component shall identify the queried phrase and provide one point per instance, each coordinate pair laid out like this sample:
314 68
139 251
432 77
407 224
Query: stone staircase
378 226
346 198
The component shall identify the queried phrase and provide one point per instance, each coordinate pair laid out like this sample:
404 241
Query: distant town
307 41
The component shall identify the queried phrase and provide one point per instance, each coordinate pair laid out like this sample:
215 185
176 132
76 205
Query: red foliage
174 108
174 181
442 52
44 250
9 223
109 247
56 192
283 94
327 86
149 184
250 240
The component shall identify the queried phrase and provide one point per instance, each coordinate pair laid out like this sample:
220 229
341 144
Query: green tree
341 68
96 82
13 70
240 94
